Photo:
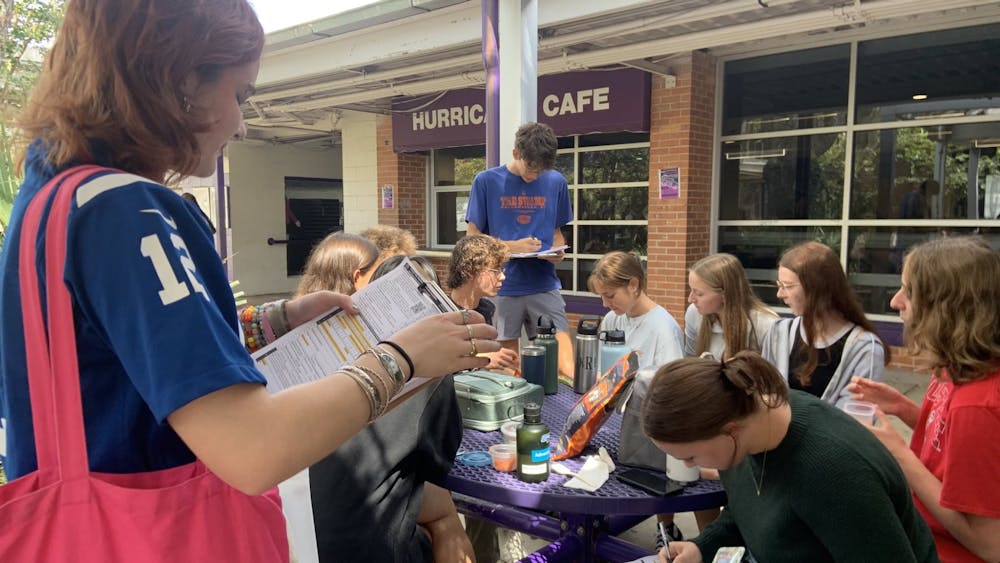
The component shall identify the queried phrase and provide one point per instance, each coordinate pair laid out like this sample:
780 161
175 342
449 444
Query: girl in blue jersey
154 88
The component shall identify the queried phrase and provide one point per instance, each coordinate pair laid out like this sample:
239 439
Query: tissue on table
591 476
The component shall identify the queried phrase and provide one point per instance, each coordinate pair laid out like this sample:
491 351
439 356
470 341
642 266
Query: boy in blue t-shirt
525 204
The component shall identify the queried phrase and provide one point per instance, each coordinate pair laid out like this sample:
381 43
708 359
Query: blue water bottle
613 348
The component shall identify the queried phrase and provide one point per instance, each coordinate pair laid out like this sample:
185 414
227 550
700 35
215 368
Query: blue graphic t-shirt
156 324
503 205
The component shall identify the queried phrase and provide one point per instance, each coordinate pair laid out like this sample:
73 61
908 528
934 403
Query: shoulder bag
63 511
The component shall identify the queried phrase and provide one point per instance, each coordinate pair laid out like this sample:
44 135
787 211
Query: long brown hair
692 399
828 292
724 274
954 292
111 84
334 260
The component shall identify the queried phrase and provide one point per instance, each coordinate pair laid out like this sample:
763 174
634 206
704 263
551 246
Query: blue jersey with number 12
156 324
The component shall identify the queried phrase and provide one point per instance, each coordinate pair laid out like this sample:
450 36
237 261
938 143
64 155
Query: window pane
451 208
784 178
875 258
458 166
955 71
939 172
564 271
760 248
786 91
622 165
613 203
585 267
564 166
596 239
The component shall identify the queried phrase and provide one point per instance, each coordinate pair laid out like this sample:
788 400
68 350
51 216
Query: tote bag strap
53 373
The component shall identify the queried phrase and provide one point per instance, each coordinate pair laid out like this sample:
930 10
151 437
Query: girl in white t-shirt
725 316
651 331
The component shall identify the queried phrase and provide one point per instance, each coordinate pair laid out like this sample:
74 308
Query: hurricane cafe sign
572 103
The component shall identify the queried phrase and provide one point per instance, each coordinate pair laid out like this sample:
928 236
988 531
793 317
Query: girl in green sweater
805 482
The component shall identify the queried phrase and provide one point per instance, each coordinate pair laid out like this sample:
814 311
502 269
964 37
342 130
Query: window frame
845 222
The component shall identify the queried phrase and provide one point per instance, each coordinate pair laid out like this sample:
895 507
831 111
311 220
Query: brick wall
407 173
901 359
681 128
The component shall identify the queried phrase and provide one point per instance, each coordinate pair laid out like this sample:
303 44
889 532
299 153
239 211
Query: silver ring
475 351
466 316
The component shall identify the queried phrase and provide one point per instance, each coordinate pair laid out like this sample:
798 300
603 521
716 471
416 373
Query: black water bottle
533 446
547 339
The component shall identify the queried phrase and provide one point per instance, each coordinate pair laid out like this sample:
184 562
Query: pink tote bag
63 512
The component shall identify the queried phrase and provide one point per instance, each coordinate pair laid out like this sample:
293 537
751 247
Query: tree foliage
26 29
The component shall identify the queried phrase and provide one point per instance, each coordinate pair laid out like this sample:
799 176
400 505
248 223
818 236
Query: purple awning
573 103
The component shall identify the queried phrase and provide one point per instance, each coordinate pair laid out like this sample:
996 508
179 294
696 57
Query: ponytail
694 398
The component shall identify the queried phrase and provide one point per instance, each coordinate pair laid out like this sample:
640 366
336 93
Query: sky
280 14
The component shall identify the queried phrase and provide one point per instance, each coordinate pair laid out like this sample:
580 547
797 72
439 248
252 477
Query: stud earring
186 104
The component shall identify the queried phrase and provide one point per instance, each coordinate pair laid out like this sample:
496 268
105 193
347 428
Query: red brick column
681 129
407 173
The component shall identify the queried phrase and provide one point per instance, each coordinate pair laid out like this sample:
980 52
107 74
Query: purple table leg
568 549
522 520
618 524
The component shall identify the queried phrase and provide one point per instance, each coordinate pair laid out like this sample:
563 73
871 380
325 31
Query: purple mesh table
579 524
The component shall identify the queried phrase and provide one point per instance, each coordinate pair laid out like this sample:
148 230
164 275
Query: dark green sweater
831 492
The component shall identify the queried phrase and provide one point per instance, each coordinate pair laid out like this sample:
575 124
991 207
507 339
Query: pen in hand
666 540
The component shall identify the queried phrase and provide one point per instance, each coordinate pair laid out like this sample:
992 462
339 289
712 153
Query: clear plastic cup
509 431
504 457
862 411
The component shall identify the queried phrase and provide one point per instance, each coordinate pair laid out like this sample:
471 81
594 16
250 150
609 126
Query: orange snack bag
595 406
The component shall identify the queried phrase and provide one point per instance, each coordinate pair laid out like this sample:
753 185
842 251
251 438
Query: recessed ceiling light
920 96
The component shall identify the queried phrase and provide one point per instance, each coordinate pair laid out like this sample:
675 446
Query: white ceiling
360 60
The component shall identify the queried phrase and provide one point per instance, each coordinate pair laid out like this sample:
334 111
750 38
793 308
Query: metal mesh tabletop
614 497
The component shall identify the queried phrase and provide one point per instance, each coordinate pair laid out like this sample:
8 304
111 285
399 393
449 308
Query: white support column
518 69
360 171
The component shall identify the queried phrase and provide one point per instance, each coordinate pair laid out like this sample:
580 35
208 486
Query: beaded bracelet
251 324
406 357
389 364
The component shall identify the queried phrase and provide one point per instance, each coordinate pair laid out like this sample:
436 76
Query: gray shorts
523 311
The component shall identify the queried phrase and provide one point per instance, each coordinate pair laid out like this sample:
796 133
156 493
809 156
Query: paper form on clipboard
321 346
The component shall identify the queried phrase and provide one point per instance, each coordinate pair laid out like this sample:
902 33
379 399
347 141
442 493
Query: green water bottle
547 339
533 446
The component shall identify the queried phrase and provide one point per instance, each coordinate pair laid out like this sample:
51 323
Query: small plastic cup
504 457
862 411
509 431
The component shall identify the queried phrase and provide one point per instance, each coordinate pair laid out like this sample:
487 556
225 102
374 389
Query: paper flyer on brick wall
670 183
